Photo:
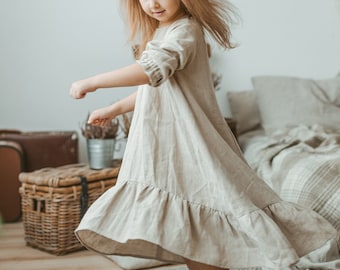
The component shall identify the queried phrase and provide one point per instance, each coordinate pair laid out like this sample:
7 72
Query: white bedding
301 164
293 152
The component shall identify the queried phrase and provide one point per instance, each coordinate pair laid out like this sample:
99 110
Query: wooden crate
54 200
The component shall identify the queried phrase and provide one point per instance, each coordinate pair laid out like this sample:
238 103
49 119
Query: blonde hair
215 16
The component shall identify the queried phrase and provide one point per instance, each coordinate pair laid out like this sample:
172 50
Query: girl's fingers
76 94
99 122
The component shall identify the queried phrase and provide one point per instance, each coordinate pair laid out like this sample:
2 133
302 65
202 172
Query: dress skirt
184 189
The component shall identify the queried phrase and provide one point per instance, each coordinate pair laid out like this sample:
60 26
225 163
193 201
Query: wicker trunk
54 200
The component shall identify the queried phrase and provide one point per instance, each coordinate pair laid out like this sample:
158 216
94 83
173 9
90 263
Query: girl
185 193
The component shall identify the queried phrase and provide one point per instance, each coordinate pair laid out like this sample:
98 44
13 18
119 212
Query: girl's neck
165 24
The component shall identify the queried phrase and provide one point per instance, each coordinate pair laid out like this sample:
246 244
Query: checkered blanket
301 164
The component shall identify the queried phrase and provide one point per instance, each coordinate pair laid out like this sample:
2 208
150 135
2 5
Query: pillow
244 110
291 101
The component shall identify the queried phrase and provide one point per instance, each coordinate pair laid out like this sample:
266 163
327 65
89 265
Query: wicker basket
54 200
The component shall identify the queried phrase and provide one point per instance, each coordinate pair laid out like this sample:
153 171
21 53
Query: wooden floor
15 255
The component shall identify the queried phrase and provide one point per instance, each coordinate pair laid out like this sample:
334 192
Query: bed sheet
302 164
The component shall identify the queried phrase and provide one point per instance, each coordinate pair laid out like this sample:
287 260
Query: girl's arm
131 75
105 115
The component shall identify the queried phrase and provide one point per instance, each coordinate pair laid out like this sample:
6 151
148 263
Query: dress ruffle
138 220
152 70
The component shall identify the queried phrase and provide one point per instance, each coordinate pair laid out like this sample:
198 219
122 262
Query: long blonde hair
215 16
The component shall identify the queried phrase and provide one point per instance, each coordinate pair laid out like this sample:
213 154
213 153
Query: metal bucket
100 153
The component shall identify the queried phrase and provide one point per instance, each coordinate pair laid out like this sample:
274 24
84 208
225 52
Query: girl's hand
101 117
79 89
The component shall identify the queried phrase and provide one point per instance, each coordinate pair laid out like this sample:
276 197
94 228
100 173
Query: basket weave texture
53 201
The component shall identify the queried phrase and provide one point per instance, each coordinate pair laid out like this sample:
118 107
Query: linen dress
184 189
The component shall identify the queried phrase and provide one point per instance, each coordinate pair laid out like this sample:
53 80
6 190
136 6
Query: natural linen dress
184 189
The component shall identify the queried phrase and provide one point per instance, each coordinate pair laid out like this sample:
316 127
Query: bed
289 131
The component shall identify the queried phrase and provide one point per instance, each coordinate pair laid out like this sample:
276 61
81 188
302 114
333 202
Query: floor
15 255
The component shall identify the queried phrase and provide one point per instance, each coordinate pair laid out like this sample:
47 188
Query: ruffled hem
133 219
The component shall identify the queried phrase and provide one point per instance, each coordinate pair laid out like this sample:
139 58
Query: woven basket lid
67 175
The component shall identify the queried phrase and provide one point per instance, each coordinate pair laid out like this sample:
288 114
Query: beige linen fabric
184 189
286 102
244 109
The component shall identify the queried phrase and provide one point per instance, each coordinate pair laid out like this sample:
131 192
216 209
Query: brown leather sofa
26 152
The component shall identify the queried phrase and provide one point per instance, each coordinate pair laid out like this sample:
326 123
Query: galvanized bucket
100 153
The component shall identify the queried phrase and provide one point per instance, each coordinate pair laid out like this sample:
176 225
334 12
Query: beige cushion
244 110
290 101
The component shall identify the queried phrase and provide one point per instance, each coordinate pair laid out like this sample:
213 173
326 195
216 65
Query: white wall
282 37
45 45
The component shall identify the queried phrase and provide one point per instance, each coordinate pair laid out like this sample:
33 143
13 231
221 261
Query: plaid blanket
302 164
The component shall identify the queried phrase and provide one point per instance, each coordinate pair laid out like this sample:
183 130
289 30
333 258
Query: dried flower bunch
109 131
217 79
